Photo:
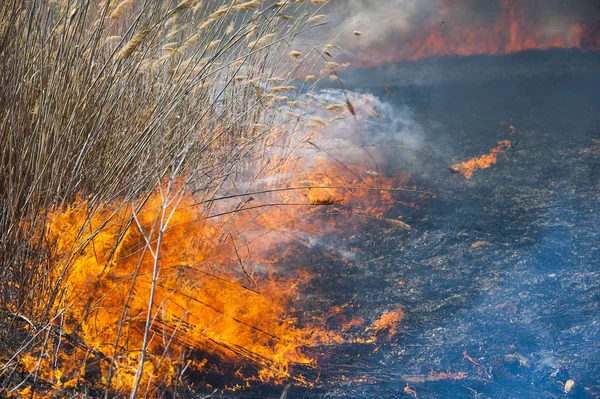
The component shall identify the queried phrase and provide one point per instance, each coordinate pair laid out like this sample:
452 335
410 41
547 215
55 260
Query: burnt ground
526 308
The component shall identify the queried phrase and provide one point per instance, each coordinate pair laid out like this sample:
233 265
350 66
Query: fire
200 300
467 168
215 288
513 30
388 322
174 282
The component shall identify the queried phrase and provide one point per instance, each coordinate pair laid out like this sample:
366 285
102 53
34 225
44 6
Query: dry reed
105 105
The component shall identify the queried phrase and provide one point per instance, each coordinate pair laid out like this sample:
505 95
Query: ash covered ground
518 317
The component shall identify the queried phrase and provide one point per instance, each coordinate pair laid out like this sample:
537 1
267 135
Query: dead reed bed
112 102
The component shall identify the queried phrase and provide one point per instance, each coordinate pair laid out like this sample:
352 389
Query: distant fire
512 30
467 168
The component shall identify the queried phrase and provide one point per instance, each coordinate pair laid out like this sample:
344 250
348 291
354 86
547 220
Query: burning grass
160 282
150 167
467 168
198 299
388 323
113 113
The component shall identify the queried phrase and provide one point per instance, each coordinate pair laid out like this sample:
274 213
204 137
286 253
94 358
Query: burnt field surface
515 316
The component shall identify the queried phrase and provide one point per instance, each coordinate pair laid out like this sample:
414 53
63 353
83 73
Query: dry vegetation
126 103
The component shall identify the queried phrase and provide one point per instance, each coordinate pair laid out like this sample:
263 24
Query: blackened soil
518 317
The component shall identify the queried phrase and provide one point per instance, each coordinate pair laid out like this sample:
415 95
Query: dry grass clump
248 6
398 224
106 101
121 8
132 45
262 42
335 107
317 18
283 89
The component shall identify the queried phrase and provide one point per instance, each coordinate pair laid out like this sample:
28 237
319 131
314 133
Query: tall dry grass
109 100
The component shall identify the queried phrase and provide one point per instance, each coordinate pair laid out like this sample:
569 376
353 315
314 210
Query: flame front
177 282
217 292
200 301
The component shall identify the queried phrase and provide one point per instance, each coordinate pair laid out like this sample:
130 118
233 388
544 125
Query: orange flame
467 168
200 300
388 322
216 289
204 273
